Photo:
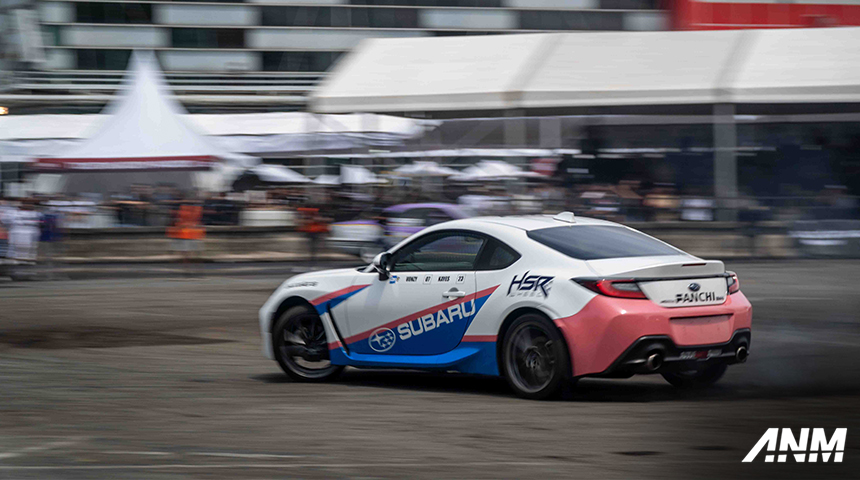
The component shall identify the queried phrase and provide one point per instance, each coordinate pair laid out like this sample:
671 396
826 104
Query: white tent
143 130
327 180
251 133
356 175
503 72
278 174
143 138
425 169
489 170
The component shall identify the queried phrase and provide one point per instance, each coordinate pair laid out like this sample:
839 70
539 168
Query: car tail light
613 288
733 283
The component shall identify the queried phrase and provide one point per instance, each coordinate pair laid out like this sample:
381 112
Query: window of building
91 59
93 12
384 17
297 16
630 4
274 16
431 3
571 20
298 61
208 37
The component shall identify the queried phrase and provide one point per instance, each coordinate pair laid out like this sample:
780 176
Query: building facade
258 55
299 35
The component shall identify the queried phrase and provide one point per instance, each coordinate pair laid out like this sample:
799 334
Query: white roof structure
489 170
68 126
327 180
503 72
144 129
277 174
356 175
421 168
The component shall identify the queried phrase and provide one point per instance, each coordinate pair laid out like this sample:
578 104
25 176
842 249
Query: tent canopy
68 126
277 174
503 72
143 130
327 180
425 169
356 175
489 170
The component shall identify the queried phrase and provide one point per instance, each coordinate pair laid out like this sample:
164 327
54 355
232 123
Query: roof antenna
565 217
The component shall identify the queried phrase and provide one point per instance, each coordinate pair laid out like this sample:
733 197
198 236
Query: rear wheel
534 357
697 378
301 347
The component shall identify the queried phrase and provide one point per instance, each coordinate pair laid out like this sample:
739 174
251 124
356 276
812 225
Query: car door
426 305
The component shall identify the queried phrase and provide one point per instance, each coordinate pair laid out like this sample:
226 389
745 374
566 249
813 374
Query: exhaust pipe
654 361
742 354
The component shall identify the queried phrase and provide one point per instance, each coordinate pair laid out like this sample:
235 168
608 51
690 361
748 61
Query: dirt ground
163 378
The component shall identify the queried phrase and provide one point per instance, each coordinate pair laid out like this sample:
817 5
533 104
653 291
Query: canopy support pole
725 162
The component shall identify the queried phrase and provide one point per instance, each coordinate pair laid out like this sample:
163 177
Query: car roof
525 222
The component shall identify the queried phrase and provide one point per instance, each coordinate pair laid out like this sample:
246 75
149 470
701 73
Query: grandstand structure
252 55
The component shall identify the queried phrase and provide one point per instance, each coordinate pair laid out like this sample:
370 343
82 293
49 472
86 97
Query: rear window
594 242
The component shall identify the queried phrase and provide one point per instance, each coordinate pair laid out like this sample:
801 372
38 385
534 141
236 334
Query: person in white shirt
24 233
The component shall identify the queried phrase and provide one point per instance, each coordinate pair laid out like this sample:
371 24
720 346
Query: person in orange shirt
313 225
187 231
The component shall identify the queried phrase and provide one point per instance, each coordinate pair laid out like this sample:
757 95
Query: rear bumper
608 333
658 354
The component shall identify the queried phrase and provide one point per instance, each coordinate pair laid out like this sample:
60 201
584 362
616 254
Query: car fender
564 299
324 290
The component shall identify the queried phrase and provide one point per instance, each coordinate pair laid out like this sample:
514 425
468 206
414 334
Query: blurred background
253 140
729 128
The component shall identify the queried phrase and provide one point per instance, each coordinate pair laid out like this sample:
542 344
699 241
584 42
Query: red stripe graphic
479 338
409 318
337 293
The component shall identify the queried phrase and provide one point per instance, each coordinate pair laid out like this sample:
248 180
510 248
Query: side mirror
381 265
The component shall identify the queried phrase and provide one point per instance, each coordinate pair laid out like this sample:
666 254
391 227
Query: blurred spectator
50 234
187 232
24 232
662 204
313 225
5 212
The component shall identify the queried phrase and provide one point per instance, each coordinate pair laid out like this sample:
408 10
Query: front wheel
697 378
535 360
301 347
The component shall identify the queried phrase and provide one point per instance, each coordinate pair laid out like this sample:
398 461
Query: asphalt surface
163 378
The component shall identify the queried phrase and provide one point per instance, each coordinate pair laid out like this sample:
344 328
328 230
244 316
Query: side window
441 252
497 256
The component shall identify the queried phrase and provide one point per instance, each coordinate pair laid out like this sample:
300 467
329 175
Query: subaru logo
694 287
382 339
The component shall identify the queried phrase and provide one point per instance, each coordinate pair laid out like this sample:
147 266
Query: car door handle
454 293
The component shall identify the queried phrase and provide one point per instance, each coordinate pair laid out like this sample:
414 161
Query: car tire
301 347
697 379
535 360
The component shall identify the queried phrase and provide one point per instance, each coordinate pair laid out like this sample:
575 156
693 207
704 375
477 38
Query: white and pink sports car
540 300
